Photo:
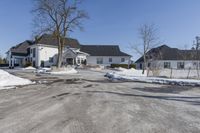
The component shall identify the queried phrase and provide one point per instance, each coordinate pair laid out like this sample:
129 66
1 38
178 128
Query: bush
28 64
122 65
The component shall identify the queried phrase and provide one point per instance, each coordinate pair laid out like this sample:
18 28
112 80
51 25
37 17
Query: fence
175 73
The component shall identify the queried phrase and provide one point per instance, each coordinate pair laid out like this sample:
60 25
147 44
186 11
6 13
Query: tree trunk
59 59
144 65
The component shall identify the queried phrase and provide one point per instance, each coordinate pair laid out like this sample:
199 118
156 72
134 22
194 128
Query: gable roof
165 52
102 50
22 48
51 40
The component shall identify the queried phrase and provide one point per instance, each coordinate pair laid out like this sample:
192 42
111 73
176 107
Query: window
31 51
78 61
149 64
167 65
180 65
110 59
122 59
99 60
42 63
195 64
51 60
34 52
141 66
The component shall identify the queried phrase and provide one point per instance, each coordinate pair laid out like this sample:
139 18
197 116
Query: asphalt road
89 103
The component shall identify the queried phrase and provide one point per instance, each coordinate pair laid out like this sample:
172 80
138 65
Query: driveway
89 103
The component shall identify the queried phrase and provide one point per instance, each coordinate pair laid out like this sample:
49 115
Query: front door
69 61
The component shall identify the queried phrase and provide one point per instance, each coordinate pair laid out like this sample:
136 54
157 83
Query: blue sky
111 22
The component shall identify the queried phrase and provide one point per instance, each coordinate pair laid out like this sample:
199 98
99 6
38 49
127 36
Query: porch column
129 61
9 61
13 62
76 60
73 61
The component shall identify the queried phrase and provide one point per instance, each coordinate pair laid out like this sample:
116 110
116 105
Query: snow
136 75
43 70
30 68
130 72
66 71
7 80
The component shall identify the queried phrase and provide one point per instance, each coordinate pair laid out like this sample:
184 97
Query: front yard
89 103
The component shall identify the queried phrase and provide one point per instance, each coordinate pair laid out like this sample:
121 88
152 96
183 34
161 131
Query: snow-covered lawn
66 71
7 80
136 75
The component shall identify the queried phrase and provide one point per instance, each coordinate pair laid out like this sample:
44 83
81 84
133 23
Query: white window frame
110 59
51 59
167 65
179 64
99 60
122 59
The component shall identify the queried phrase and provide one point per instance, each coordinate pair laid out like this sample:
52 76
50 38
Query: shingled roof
22 48
102 50
48 39
165 52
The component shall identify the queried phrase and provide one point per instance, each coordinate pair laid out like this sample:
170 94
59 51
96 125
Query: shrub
122 65
27 64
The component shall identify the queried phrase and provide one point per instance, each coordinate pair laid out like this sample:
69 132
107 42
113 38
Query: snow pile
43 70
29 68
130 72
135 75
7 79
66 71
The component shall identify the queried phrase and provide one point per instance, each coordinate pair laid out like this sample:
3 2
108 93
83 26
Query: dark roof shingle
164 52
22 48
48 39
102 50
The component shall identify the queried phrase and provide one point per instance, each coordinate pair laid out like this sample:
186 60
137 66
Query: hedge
122 65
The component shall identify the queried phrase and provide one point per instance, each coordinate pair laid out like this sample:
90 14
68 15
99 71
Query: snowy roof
102 50
165 52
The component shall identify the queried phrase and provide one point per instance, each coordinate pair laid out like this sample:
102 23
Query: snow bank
130 72
66 71
43 70
7 79
135 75
29 68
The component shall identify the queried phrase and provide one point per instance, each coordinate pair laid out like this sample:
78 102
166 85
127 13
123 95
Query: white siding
43 53
92 60
173 64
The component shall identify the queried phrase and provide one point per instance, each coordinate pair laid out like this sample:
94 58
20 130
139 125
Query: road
89 103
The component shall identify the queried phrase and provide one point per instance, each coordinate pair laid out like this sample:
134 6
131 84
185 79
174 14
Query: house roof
102 50
51 40
22 48
165 52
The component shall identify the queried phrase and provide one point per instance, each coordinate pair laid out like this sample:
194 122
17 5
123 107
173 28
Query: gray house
165 57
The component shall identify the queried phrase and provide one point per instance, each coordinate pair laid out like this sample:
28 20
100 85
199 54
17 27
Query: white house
164 57
43 53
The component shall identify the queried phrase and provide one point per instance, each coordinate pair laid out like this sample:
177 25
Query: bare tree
58 17
196 53
147 33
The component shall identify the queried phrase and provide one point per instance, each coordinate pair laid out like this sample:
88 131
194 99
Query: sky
111 22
